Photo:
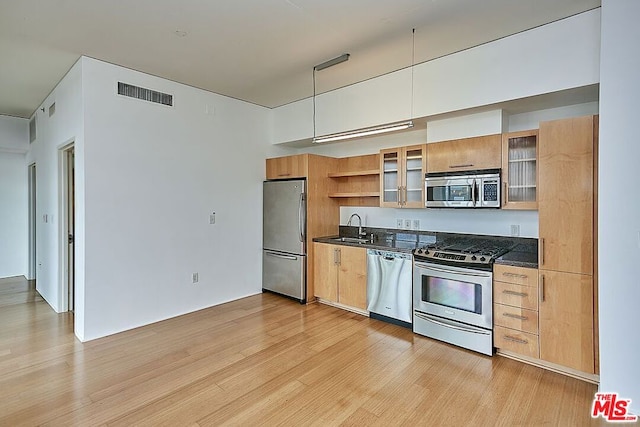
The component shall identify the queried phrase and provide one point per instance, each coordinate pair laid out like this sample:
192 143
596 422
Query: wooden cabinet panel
515 295
565 200
287 167
402 177
518 275
357 180
325 271
482 152
516 341
352 277
515 318
566 320
520 170
340 274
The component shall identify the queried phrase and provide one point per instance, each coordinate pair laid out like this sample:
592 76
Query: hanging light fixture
369 131
373 130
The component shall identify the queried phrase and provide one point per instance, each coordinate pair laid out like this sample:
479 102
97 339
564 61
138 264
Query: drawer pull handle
516 340
284 174
515 316
467 165
518 294
522 276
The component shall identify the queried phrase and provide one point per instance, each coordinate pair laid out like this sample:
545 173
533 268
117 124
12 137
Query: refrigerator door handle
277 255
301 224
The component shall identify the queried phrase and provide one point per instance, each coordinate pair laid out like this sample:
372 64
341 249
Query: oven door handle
452 325
445 270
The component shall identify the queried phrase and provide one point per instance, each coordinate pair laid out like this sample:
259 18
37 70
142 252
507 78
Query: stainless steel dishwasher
389 280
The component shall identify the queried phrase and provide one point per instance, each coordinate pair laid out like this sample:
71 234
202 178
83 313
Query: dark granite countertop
523 252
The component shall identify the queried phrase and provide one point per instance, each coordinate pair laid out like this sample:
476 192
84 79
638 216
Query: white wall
619 209
14 213
14 224
153 175
557 56
554 57
495 222
53 133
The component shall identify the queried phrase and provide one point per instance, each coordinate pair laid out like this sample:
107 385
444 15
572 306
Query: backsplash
495 222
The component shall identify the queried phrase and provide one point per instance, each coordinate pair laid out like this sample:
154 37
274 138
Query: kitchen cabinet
341 275
482 152
567 179
515 310
402 177
567 320
357 180
520 170
287 167
566 195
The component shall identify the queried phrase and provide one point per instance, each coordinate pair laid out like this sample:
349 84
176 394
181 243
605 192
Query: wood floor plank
263 360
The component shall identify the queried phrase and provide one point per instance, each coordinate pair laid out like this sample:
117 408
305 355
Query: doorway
32 221
68 226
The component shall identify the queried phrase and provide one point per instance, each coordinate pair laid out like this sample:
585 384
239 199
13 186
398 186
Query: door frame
31 178
66 213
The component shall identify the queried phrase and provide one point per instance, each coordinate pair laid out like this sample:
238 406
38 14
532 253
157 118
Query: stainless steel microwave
472 189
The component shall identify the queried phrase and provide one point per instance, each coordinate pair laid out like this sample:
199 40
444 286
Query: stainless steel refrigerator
284 223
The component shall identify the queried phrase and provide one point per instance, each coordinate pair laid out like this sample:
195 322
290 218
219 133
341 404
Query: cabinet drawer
515 318
519 275
516 341
515 295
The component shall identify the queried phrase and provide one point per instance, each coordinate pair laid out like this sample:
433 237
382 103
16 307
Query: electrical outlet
212 218
194 278
515 230
416 224
399 223
407 224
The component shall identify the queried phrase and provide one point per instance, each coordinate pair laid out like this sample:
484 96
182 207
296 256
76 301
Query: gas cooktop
462 251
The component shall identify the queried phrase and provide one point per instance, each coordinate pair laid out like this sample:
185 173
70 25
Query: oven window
452 293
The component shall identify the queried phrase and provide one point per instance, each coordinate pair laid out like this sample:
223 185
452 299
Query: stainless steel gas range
452 292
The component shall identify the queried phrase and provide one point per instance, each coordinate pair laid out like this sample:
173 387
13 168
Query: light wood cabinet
288 167
482 152
566 320
515 310
567 211
341 274
566 195
402 172
520 170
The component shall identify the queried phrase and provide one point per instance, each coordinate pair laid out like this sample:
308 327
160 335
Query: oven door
443 192
455 293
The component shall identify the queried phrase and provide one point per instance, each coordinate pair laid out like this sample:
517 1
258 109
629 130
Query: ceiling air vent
145 94
32 129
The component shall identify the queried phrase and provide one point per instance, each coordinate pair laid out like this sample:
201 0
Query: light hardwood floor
263 360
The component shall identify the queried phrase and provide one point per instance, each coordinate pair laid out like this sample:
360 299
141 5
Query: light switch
212 218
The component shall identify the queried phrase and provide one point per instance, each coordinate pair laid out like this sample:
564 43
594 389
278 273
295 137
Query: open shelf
354 173
359 194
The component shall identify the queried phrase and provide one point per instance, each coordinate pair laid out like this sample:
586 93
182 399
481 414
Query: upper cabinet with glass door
520 170
402 177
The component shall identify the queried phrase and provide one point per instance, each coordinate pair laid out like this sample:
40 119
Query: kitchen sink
353 240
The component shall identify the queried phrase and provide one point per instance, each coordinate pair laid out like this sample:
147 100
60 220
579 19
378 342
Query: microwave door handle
473 192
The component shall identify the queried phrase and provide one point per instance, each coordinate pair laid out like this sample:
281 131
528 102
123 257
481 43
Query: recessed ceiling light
180 33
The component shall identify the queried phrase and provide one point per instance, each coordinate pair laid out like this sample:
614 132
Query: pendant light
368 131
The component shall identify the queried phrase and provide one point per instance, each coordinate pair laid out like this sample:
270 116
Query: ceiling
260 51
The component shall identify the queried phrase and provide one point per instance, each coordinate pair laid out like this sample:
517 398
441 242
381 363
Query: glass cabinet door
402 177
519 170
413 186
390 178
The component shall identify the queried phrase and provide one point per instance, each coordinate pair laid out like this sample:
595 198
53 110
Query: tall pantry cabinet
567 219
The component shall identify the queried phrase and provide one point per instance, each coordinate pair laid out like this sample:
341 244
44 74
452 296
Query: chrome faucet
360 232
